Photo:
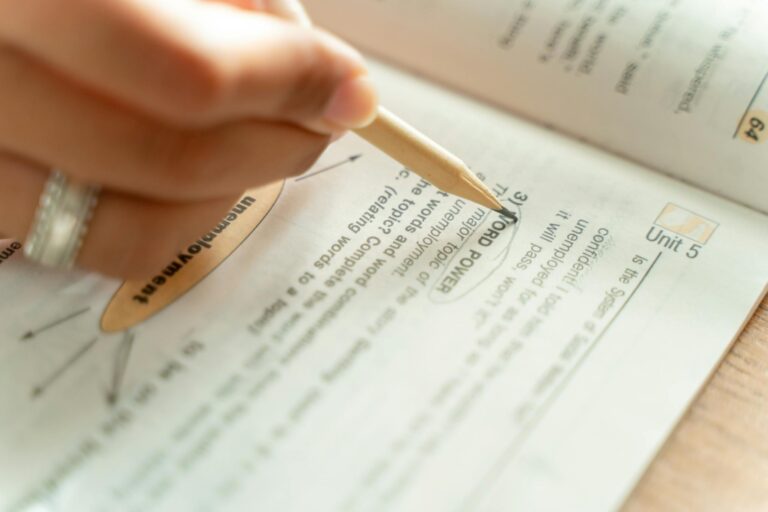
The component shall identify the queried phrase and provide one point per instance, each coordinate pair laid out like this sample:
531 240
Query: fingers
173 107
128 236
131 237
60 125
195 62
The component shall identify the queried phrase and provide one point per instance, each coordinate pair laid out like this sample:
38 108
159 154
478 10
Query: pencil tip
508 214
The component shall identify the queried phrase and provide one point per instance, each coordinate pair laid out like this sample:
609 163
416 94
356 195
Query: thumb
288 9
199 62
349 101
284 70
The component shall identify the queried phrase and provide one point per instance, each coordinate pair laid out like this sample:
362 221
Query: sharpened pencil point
508 214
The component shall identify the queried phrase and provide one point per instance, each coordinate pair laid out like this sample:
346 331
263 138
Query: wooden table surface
717 457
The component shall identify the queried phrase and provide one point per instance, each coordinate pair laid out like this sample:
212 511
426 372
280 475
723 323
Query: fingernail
353 104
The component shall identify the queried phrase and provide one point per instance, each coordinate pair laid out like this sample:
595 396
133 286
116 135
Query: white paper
668 83
274 386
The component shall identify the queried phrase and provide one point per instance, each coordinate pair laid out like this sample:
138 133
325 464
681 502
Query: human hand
172 107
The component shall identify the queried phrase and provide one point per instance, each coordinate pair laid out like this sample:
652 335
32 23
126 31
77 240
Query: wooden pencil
428 159
409 146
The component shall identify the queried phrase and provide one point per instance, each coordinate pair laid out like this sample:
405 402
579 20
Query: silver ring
61 222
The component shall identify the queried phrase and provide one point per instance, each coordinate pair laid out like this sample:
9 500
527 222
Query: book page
376 345
678 85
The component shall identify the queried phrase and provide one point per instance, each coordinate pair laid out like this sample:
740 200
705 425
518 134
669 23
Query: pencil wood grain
426 158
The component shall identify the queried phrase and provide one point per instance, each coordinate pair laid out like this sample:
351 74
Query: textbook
374 344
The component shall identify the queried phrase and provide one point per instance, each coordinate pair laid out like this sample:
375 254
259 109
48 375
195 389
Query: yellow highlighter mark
686 223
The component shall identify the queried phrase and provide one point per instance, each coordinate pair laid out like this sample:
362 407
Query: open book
376 345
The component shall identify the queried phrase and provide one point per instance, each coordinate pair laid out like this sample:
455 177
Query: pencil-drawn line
499 259
751 103
329 168
508 454
51 379
122 358
34 332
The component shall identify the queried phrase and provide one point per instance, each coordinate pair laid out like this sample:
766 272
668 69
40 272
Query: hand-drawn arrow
43 386
330 167
122 358
34 332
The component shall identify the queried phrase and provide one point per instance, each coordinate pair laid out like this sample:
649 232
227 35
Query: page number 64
753 129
